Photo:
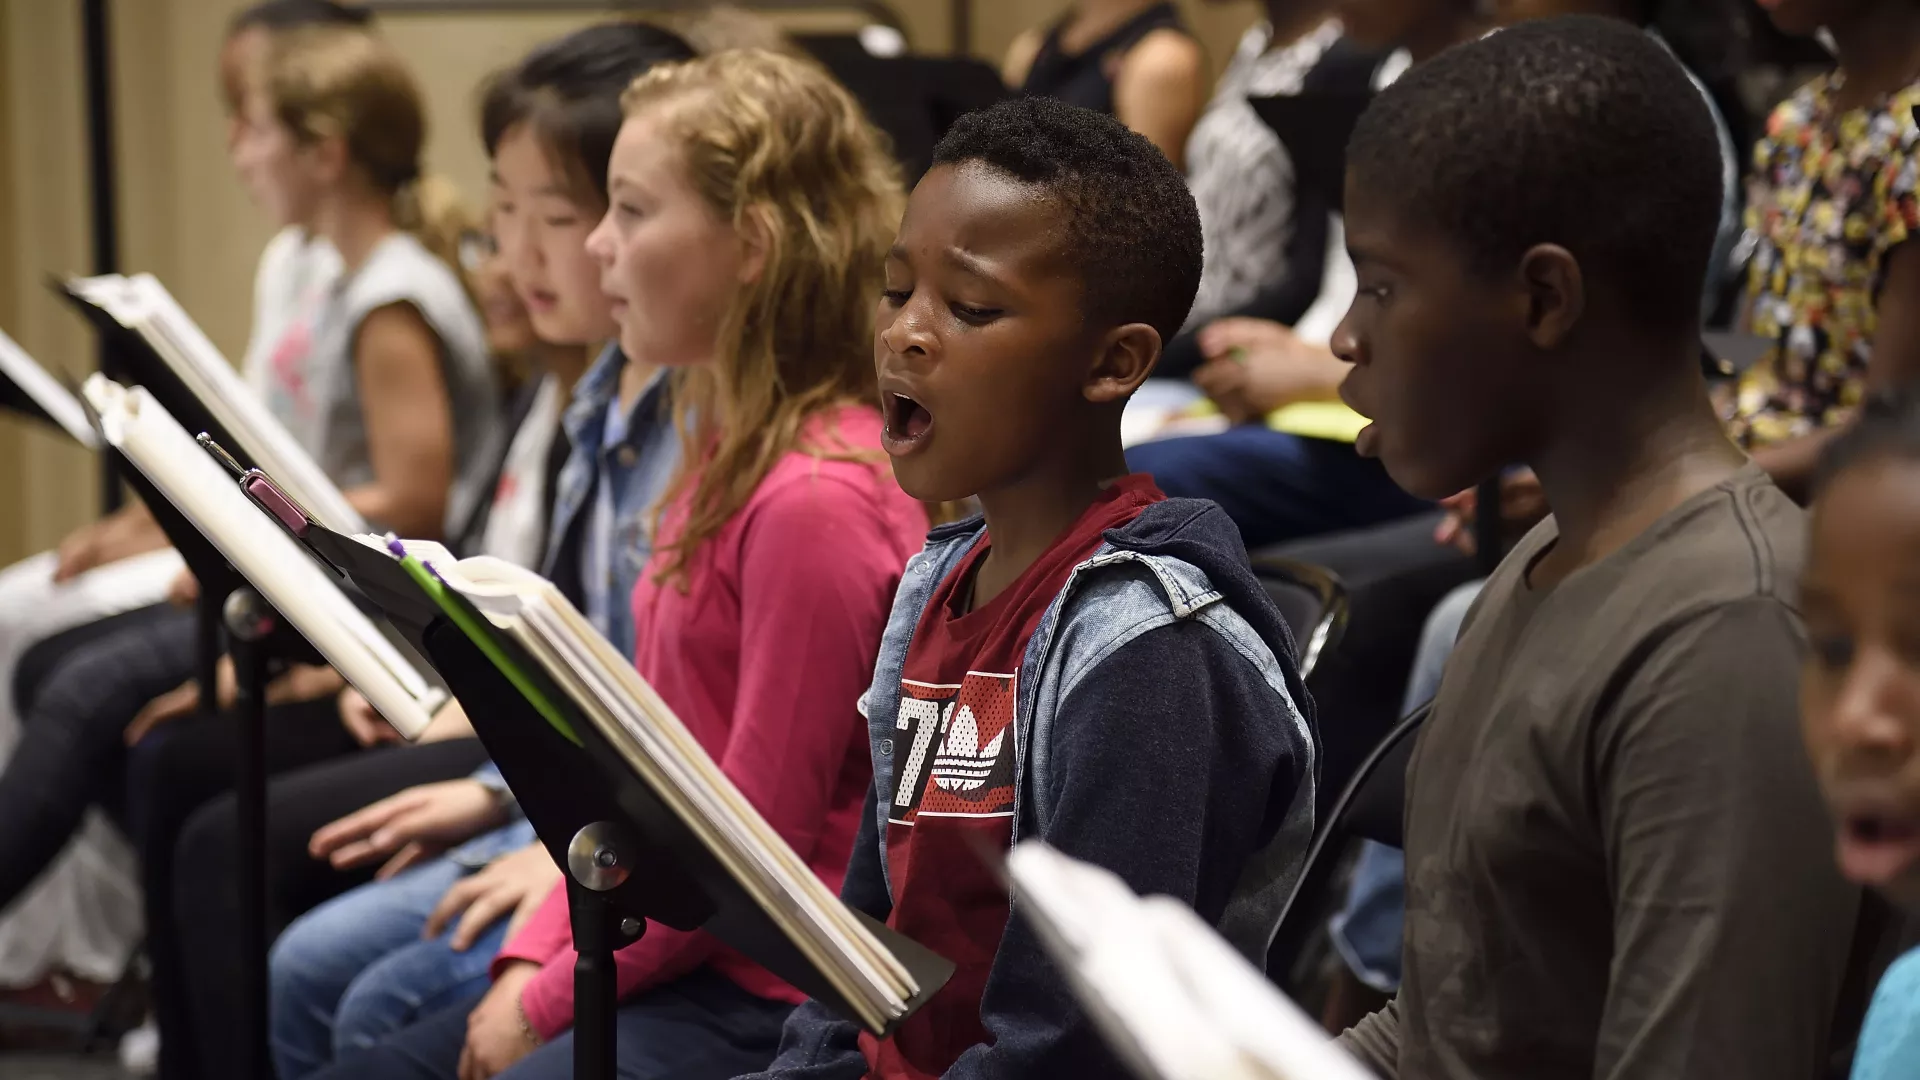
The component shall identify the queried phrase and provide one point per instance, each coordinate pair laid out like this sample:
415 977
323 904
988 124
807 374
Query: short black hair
568 91
296 14
1580 131
1132 228
1887 425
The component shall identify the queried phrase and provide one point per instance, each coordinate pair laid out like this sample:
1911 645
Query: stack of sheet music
290 579
1174 1000
611 695
142 305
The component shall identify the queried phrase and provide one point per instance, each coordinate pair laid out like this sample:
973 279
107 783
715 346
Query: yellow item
1330 420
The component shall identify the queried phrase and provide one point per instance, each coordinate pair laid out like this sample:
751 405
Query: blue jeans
700 1027
355 970
1367 931
1275 486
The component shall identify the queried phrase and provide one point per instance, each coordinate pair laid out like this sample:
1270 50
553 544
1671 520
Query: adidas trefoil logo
962 764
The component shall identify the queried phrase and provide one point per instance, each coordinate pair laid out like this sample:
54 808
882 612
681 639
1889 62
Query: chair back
1370 808
1311 599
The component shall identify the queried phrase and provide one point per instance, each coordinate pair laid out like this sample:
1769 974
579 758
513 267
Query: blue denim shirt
637 468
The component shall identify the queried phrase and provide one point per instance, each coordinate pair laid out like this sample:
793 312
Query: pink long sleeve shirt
763 657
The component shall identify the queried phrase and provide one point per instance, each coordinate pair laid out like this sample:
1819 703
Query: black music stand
597 819
258 637
15 400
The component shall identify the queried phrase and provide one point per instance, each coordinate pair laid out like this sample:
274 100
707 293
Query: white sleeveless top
306 377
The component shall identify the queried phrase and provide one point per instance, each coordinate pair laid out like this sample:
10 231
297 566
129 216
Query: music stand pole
249 623
1488 528
599 858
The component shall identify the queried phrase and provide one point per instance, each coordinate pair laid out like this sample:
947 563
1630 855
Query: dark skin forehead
1379 235
1866 534
980 223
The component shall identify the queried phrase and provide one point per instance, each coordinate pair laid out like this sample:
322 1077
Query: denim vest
638 467
1113 597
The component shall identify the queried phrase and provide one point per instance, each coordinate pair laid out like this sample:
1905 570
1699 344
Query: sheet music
283 572
143 305
46 392
1171 996
626 710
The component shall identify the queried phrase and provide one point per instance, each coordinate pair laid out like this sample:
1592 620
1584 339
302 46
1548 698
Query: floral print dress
1833 193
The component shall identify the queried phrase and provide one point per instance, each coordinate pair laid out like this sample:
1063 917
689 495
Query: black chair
1369 808
1311 599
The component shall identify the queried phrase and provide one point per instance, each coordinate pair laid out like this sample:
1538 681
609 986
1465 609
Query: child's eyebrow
969 263
1359 253
960 258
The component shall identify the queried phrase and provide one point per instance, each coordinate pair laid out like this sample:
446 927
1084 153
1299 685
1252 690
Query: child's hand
1255 366
1522 503
123 534
301 682
366 725
514 884
184 590
410 827
497 1032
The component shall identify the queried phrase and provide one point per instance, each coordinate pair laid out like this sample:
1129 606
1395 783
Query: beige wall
183 216
45 482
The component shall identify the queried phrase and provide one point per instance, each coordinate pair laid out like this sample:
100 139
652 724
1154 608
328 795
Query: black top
1086 78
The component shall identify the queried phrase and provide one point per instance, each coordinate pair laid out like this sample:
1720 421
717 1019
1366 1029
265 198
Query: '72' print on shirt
959 741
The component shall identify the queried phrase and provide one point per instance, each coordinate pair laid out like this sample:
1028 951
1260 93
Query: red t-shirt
954 788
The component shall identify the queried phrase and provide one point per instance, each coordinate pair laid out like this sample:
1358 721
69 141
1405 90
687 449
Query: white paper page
284 574
1165 989
833 940
142 304
667 755
46 392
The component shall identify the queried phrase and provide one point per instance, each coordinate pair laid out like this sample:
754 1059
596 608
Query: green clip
481 635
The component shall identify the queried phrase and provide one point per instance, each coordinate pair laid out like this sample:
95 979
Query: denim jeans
698 1027
1366 932
355 970
1276 486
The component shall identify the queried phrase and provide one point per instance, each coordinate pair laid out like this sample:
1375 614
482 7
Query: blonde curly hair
775 146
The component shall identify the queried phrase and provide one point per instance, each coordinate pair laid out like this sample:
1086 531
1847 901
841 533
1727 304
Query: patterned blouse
1240 174
1833 193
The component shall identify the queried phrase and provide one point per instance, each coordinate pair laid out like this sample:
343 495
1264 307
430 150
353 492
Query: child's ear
1125 360
1556 293
756 244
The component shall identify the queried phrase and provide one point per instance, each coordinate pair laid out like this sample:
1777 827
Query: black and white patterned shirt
1240 174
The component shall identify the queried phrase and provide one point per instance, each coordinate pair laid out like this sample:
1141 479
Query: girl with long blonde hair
751 208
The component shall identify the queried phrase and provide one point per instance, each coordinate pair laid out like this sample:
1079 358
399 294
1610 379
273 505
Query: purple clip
275 502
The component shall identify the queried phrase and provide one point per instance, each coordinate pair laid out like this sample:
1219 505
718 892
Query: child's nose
1872 717
910 332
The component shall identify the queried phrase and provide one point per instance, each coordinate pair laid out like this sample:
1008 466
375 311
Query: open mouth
1875 848
908 421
